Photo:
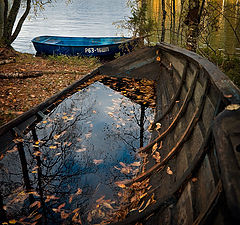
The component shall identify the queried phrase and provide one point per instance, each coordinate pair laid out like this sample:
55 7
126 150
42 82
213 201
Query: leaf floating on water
136 163
65 215
88 135
110 114
37 217
56 136
120 184
158 126
81 150
36 203
12 221
97 161
233 107
79 191
61 206
107 205
169 171
53 147
122 164
1 156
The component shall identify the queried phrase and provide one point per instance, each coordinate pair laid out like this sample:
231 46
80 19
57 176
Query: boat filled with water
183 169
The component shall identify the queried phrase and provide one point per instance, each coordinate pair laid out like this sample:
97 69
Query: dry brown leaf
169 171
154 148
136 163
36 203
61 206
97 161
79 191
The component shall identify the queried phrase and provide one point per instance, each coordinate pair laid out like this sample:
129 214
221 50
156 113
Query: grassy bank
19 94
229 64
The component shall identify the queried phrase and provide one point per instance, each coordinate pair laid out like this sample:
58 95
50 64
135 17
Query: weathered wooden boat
196 132
82 46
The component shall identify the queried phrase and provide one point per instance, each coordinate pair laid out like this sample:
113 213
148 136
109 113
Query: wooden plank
177 62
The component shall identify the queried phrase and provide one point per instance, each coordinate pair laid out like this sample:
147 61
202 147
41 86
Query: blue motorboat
83 46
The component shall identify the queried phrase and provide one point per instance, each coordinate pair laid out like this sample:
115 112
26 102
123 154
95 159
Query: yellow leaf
233 107
79 191
194 179
44 121
121 185
154 148
136 164
12 221
169 171
56 136
107 205
53 147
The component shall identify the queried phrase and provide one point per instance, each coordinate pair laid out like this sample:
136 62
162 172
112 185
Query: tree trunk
163 20
8 19
1 17
192 21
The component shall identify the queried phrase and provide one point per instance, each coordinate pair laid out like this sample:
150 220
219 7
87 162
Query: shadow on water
66 167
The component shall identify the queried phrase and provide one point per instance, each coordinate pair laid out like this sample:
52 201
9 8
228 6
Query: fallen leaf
136 164
154 148
107 205
233 107
158 126
12 221
194 179
81 150
169 171
79 191
97 161
121 185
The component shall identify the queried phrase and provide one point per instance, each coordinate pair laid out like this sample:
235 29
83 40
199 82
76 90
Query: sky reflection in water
84 145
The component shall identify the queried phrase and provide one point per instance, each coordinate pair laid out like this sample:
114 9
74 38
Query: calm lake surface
96 18
78 18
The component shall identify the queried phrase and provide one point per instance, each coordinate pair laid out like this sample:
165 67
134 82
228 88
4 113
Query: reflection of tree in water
63 172
51 152
131 123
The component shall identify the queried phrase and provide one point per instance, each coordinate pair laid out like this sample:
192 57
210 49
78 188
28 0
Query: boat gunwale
229 91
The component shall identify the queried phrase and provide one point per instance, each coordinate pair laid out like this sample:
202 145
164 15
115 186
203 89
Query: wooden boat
196 132
82 46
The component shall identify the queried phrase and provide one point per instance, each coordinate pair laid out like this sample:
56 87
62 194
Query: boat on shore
190 168
83 46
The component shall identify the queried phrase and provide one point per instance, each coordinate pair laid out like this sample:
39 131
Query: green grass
74 60
230 65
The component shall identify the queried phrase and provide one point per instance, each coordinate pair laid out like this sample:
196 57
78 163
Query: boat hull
82 46
190 169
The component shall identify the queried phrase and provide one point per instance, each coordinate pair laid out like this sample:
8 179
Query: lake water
78 18
96 18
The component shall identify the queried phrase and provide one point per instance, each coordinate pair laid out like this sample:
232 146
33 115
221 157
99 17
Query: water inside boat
72 159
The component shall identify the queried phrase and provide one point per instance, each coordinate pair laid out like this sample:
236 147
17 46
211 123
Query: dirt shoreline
27 80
